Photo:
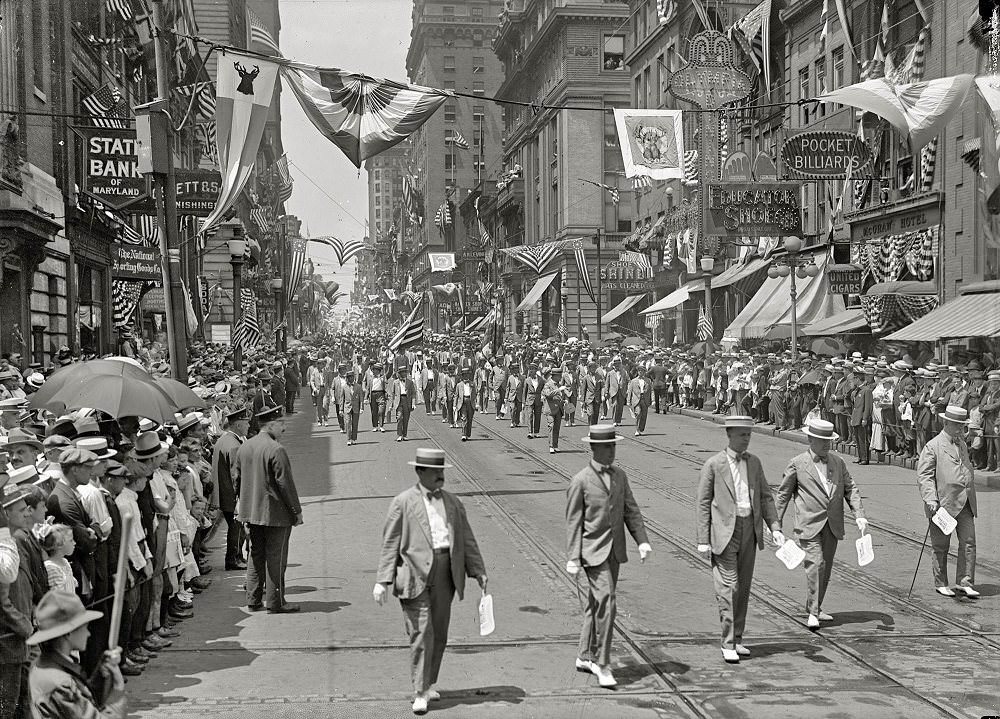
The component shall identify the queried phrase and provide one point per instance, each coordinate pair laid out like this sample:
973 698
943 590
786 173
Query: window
804 92
378 173
478 113
449 84
449 160
449 113
478 64
378 187
478 88
448 9
378 214
477 12
659 81
647 81
613 57
821 84
449 63
554 135
637 91
838 68
38 44
477 37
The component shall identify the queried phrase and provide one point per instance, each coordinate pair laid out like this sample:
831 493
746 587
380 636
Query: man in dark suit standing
658 375
733 499
599 506
226 490
269 504
861 414
819 483
65 505
639 399
428 549
353 394
400 399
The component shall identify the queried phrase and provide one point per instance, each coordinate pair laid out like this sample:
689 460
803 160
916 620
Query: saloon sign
111 172
825 154
760 209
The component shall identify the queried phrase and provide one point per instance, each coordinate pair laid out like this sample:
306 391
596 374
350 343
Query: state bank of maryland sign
110 170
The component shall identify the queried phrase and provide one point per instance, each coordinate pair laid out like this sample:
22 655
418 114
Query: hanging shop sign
844 279
135 262
111 171
626 277
825 154
197 193
760 209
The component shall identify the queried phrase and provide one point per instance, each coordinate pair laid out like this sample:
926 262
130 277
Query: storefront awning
909 288
536 292
769 313
475 324
840 323
621 308
675 298
739 271
964 316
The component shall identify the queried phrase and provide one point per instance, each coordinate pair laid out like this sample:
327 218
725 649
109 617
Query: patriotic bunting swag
247 331
343 249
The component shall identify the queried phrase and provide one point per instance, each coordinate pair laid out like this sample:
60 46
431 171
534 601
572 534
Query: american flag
205 135
459 139
149 228
344 249
410 332
125 296
535 257
642 182
260 218
581 267
284 179
247 332
635 258
705 329
442 217
123 8
666 10
562 325
205 94
297 260
613 191
928 163
107 107
412 202
824 20
260 34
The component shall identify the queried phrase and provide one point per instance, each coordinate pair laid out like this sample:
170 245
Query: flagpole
600 288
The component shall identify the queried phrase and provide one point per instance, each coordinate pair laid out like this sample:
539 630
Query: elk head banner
652 143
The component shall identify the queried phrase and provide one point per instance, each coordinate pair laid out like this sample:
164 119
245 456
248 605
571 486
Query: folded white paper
486 625
866 554
945 522
790 554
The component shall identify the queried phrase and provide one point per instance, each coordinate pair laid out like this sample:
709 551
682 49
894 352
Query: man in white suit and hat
819 483
599 507
428 549
734 502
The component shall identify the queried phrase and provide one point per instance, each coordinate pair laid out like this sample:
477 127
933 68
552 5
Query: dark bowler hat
602 434
430 459
268 414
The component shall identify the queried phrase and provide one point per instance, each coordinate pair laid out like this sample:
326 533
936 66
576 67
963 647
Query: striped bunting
125 296
534 257
204 133
296 261
442 218
640 259
122 8
643 182
247 332
410 332
705 329
260 34
581 267
690 168
344 249
363 116
284 178
107 108
459 139
928 163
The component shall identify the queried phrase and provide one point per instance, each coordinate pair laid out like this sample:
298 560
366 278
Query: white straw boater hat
953 413
602 434
820 429
734 421
430 459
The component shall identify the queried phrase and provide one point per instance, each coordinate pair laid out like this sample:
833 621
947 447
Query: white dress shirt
821 471
604 472
738 468
93 502
437 517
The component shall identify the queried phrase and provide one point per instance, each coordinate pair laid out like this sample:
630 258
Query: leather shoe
167 632
180 614
946 591
731 656
158 641
204 569
235 566
742 650
285 609
812 622
824 617
255 607
201 582
130 668
149 650
584 665
137 659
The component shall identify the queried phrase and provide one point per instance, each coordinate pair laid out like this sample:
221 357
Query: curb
982 479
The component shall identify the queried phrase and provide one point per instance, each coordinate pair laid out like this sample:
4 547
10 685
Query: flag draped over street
534 257
343 249
245 88
410 332
247 331
363 116
296 261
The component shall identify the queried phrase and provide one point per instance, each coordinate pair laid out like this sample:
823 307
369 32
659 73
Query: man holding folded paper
733 498
819 483
945 476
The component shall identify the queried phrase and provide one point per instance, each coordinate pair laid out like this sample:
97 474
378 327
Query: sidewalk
989 480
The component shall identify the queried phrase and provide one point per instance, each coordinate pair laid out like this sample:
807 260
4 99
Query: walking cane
919 557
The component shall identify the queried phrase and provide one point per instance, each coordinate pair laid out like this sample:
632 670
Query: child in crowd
58 542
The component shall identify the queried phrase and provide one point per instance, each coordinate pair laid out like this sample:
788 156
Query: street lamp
279 302
707 265
236 250
804 267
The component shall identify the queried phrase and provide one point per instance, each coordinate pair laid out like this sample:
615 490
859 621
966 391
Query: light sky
367 36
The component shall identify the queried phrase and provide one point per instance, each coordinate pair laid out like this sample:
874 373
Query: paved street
883 656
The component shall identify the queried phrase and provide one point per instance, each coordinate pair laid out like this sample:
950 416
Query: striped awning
739 271
963 316
536 292
621 308
474 324
678 296
840 323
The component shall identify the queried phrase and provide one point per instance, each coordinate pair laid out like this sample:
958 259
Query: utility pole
600 284
166 212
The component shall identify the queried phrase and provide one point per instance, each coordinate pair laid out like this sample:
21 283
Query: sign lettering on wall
110 166
761 209
826 154
135 262
197 192
844 280
626 277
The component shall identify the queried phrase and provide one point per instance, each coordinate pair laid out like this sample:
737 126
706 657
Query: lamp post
236 250
803 268
279 304
707 265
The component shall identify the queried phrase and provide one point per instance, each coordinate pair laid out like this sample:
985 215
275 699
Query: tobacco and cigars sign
111 171
826 154
759 209
135 262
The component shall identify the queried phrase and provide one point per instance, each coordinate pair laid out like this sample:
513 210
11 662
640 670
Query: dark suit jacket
717 502
267 490
223 456
33 560
813 507
66 506
861 413
407 552
15 619
596 519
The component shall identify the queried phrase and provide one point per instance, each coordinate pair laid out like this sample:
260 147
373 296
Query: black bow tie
819 460
739 456
434 494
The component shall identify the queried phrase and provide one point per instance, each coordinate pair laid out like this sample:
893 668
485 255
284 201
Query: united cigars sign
111 171
826 154
135 262
758 209
844 279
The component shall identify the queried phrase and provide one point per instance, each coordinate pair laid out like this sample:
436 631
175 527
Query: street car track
683 545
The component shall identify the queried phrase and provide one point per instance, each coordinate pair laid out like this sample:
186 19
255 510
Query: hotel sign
894 221
760 209
826 154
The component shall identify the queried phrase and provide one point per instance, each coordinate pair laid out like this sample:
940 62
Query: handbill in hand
790 554
486 625
945 522
866 555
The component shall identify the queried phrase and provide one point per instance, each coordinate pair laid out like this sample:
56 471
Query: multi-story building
392 237
450 49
